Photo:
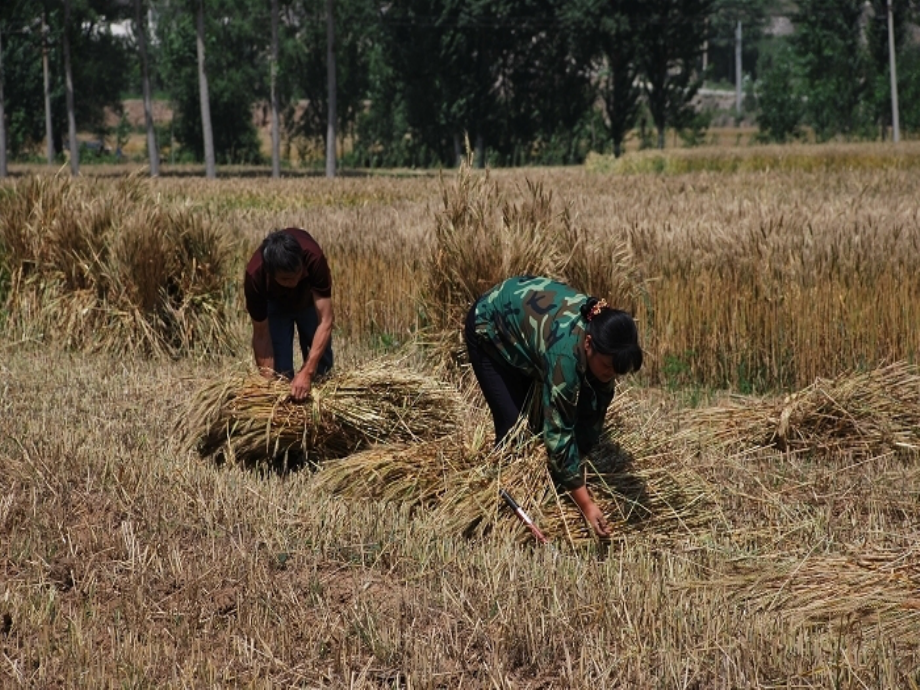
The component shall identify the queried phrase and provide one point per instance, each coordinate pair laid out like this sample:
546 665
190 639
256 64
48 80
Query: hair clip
596 309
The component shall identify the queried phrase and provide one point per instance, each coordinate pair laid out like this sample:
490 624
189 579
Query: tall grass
485 233
93 265
781 158
754 280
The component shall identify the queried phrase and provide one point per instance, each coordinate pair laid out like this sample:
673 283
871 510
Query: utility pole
895 124
738 101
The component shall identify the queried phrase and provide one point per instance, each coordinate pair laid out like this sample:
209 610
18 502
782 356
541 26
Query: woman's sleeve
560 415
592 412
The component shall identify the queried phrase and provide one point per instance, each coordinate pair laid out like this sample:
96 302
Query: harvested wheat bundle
877 589
112 266
252 419
864 413
655 493
636 479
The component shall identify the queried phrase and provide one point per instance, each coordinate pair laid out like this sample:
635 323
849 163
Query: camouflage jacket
535 325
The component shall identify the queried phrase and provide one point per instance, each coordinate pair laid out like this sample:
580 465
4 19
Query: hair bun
592 307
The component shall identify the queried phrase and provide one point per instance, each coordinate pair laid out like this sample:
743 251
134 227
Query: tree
140 25
672 38
237 73
71 115
619 88
833 65
276 124
3 169
330 85
305 67
511 75
34 67
207 132
49 130
778 98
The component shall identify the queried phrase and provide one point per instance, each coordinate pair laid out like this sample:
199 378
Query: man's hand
300 386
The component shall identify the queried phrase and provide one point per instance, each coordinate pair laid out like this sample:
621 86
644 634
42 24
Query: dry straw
110 266
485 233
871 590
252 420
869 413
639 481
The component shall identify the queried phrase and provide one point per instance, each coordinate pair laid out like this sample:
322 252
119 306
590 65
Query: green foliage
909 89
780 106
617 40
100 64
236 71
693 131
302 69
487 70
832 62
672 36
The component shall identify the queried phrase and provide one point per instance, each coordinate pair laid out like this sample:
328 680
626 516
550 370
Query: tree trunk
206 129
480 150
152 151
330 78
276 138
3 170
661 138
738 73
49 132
893 74
68 76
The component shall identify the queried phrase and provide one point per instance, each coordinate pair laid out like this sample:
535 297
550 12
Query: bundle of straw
634 476
252 419
864 413
877 588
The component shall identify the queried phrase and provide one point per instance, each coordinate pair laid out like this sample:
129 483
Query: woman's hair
613 332
281 253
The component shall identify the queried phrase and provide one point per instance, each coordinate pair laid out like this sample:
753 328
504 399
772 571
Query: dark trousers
281 328
505 388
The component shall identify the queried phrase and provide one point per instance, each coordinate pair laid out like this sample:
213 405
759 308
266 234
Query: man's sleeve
560 406
256 301
320 275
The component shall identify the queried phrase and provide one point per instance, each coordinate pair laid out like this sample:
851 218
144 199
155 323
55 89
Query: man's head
282 258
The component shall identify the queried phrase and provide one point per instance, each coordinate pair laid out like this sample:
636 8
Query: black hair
613 332
281 253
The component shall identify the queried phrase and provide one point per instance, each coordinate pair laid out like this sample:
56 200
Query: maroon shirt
260 287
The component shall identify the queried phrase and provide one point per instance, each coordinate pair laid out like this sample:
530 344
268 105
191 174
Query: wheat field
767 479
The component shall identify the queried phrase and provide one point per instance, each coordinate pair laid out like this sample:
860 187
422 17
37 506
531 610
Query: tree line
410 82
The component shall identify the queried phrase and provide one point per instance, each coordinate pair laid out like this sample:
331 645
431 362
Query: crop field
762 471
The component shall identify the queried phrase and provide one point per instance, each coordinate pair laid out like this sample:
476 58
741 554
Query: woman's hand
594 516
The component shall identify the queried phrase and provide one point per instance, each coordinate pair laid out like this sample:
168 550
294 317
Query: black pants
505 388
